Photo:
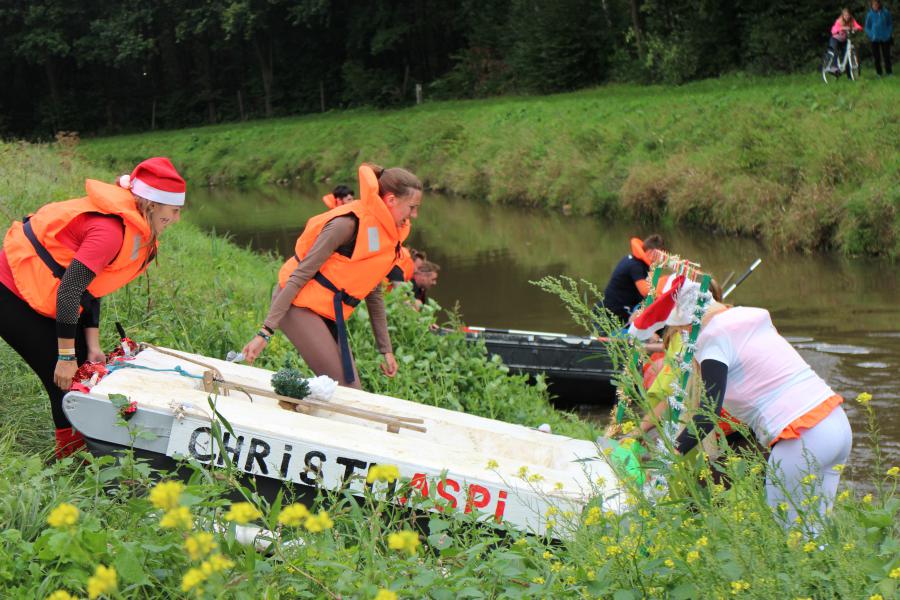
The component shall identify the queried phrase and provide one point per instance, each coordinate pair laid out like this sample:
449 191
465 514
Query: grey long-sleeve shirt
336 233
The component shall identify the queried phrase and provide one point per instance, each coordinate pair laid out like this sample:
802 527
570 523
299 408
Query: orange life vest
375 252
34 278
330 201
406 264
637 251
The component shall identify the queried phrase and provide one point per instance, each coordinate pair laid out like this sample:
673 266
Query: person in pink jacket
839 31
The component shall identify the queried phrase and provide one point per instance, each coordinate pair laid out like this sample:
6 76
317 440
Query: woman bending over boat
751 371
341 257
57 263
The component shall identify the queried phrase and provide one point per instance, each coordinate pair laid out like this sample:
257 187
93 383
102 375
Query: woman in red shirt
56 264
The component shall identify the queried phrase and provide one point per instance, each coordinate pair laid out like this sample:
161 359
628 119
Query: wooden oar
393 422
216 373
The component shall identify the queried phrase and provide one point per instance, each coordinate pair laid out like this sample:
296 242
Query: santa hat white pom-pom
125 182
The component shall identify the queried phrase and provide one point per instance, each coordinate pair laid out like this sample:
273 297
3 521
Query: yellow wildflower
165 495
843 495
703 541
613 550
895 573
558 486
177 518
491 464
61 595
318 523
388 473
591 576
692 557
867 498
404 541
794 538
199 545
849 546
64 515
551 510
384 594
293 515
893 472
607 451
547 555
556 567
783 506
838 468
809 546
103 581
523 472
809 478
864 398
628 443
600 481
627 427
739 586
216 563
242 513
538 580
876 597
192 578
535 477
756 469
670 563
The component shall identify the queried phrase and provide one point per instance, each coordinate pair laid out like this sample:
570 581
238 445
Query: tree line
108 66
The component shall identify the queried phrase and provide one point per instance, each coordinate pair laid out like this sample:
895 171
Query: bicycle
848 63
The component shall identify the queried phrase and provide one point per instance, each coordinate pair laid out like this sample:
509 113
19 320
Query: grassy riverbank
799 164
206 295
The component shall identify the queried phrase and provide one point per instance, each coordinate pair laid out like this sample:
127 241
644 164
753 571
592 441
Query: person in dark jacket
880 29
628 283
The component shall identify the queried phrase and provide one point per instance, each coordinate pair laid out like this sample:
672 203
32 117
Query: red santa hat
156 179
654 317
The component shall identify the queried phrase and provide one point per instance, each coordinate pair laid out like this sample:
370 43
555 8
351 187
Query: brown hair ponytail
395 180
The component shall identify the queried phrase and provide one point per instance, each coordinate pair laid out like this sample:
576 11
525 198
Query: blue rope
177 369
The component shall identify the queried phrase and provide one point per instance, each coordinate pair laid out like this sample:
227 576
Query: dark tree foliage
109 66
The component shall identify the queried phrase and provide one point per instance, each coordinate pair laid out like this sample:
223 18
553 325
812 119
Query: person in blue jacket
880 29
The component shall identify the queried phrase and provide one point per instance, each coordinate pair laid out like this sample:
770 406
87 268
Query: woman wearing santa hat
751 371
341 257
57 263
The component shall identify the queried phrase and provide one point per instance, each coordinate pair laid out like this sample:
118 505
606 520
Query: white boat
507 473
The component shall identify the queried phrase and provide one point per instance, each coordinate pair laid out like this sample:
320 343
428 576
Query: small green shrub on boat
289 381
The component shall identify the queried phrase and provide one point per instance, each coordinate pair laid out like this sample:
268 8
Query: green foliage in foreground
698 540
796 163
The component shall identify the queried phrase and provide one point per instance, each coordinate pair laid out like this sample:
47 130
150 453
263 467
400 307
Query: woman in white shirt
757 376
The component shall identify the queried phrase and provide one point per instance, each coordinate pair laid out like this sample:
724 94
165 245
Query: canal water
841 314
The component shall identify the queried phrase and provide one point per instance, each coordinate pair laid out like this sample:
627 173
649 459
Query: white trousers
814 453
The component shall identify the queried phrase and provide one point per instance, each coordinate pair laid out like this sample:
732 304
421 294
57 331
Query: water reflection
841 314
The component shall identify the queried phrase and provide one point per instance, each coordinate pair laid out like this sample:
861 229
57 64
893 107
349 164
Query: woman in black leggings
57 263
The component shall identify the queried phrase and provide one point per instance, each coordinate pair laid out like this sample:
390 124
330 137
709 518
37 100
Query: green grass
206 295
788 159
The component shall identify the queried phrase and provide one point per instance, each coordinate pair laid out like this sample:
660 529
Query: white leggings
815 453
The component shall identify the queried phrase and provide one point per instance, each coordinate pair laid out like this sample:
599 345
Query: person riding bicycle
838 42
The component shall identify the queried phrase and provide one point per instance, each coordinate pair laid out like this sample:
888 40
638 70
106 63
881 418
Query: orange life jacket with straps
38 260
375 252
